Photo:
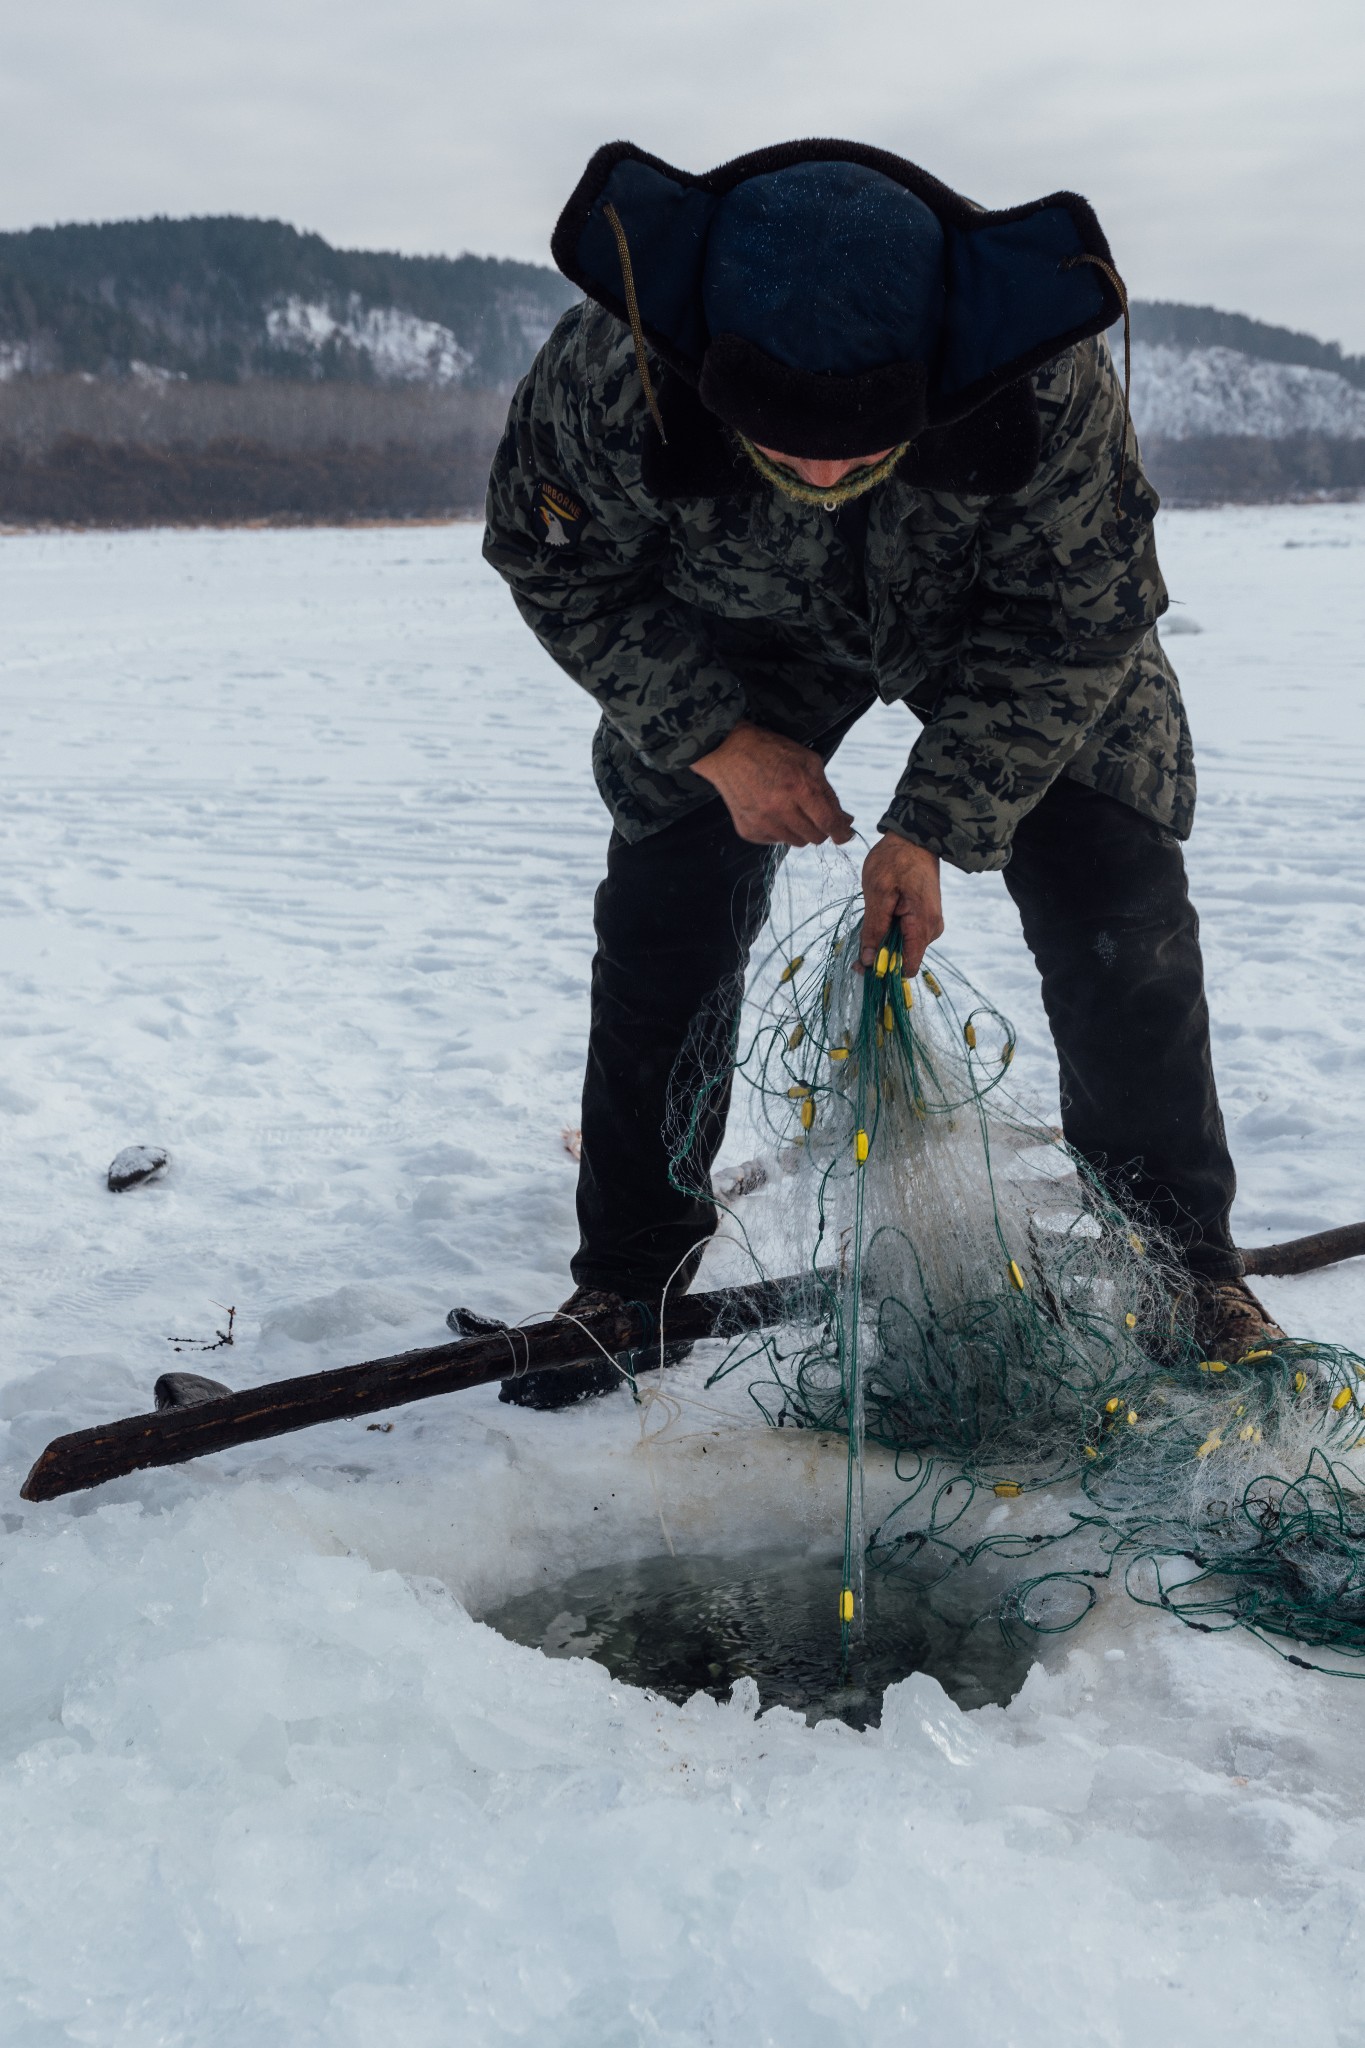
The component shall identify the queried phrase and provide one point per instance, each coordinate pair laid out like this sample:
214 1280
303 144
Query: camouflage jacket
1019 626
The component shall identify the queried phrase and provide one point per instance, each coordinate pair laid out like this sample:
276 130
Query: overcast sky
1221 141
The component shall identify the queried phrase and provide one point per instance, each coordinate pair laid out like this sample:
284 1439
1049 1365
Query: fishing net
967 1294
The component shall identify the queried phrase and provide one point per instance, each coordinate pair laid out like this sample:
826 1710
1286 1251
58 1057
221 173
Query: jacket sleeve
1067 590
596 601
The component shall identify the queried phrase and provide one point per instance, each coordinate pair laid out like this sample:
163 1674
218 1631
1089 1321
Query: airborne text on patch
559 517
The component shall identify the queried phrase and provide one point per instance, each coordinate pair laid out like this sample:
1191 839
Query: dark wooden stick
1306 1254
171 1436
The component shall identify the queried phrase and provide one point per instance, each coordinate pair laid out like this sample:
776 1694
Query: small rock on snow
135 1164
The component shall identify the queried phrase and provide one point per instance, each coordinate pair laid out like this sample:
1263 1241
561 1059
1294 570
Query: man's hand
776 791
900 884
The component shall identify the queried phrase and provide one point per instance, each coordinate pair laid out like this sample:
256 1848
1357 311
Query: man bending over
826 432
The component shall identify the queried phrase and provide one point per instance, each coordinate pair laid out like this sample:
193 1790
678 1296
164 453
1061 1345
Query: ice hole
681 1625
555 1530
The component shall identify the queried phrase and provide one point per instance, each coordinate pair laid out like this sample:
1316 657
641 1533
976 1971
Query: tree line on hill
1186 327
78 451
87 452
227 369
194 299
1251 469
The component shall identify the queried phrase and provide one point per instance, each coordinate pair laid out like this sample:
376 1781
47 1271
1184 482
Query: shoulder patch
558 516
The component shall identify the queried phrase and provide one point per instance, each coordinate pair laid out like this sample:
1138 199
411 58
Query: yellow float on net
1008 1489
1130 1321
1213 1365
1136 1242
1132 1417
969 1033
883 962
1210 1444
860 1146
930 983
1006 1055
797 1090
838 1052
888 1018
796 1038
1300 1382
790 969
1343 1399
807 1113
908 991
1090 1451
1016 1273
1250 1357
1111 1406
846 1604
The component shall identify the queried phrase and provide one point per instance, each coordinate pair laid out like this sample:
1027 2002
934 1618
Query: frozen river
299 848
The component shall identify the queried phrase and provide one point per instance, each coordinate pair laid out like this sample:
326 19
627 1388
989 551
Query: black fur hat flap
828 299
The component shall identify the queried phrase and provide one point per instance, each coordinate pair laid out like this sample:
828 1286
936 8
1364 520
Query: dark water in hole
679 1625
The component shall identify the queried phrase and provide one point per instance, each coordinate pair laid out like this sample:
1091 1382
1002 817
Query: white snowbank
267 1793
297 870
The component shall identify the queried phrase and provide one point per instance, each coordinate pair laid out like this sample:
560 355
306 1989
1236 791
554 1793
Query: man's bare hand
777 792
901 886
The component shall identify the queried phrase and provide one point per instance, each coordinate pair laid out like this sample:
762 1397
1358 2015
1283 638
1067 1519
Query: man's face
823 475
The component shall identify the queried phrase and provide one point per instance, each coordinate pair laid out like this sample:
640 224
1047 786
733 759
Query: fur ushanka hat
827 299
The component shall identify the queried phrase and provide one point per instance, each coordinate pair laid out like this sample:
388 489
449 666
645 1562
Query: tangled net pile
966 1294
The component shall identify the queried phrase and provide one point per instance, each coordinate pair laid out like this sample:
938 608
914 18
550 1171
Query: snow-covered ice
299 849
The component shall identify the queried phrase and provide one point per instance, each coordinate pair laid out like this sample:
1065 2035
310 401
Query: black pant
1103 901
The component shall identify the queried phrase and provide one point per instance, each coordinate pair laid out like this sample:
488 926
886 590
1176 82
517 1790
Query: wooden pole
1307 1254
171 1436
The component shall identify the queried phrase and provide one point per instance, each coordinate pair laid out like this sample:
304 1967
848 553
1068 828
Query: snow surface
1179 393
298 859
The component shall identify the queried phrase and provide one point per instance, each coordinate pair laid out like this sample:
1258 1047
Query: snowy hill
1180 393
189 369
401 348
1231 408
228 299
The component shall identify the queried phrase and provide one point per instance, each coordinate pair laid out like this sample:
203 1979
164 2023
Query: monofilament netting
967 1294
